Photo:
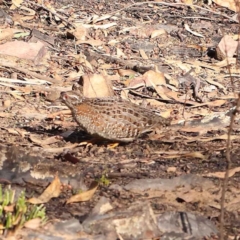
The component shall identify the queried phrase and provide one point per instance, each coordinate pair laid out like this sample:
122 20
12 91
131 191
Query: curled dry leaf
44 142
154 78
95 85
84 196
53 190
126 72
158 32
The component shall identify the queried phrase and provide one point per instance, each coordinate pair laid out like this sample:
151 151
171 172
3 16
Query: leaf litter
178 70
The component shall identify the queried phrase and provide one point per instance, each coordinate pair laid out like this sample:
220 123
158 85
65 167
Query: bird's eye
64 95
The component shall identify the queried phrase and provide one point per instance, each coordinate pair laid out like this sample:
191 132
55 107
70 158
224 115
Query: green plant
14 214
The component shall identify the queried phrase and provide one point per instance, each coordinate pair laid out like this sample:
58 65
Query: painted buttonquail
112 118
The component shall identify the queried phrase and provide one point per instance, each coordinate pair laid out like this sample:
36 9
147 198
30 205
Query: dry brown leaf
136 82
154 78
9 208
141 32
203 64
92 42
219 85
102 26
17 3
174 95
84 196
80 33
222 137
6 34
149 79
171 169
7 103
55 114
143 54
51 140
228 46
233 5
126 72
3 227
22 132
187 155
53 190
235 206
222 174
28 12
60 149
196 196
215 103
230 96
173 82
5 114
35 139
124 94
24 50
194 155
203 139
154 102
82 60
161 92
12 131
95 85
159 32
202 112
120 53
33 223
101 18
225 62
16 95
189 2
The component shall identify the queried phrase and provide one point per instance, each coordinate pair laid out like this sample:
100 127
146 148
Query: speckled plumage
112 118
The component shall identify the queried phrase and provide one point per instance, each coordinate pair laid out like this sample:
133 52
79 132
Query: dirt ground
121 41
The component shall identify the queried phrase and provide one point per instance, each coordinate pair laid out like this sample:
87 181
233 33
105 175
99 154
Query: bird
112 118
